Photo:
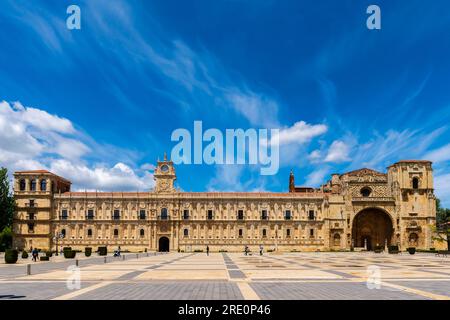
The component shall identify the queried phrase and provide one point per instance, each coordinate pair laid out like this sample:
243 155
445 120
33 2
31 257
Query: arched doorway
163 244
372 227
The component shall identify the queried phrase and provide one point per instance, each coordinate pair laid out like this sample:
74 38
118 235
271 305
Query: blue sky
98 105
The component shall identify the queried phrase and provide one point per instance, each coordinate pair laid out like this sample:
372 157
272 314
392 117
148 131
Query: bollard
105 260
147 254
28 269
137 255
76 262
123 257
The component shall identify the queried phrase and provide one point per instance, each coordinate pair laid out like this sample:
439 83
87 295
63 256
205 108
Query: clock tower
165 176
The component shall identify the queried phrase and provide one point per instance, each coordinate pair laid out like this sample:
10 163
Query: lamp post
55 238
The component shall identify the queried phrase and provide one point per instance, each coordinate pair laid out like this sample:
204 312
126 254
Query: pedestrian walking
35 254
246 250
260 250
207 250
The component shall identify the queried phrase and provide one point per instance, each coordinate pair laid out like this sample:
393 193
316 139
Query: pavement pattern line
77 293
247 291
422 293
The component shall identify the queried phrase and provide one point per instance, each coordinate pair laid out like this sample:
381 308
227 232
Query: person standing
246 250
207 250
260 250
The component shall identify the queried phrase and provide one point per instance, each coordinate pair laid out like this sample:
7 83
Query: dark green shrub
48 254
69 254
87 251
433 249
46 258
67 248
198 250
11 256
24 254
411 250
393 249
102 251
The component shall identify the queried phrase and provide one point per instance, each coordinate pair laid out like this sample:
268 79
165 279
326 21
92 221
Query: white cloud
338 152
317 177
258 109
101 177
33 139
315 156
301 133
439 155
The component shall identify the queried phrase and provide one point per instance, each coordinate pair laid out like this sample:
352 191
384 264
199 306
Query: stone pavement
196 276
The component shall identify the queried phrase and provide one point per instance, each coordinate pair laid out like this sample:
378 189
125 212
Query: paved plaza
233 276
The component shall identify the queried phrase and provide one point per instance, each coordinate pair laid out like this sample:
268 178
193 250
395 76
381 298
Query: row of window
33 185
165 216
185 232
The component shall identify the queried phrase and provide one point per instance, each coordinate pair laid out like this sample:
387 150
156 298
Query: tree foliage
7 205
442 229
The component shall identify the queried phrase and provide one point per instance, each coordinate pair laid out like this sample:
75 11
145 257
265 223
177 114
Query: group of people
246 250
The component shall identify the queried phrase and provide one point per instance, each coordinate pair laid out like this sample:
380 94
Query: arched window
240 233
186 232
365 192
288 233
33 185
337 239
264 233
43 185
415 183
63 233
22 184
89 233
142 233
164 214
116 232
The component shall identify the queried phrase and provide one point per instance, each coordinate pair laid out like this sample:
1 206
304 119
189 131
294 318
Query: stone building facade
359 209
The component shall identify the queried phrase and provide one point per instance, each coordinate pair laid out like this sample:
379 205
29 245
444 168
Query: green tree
442 229
7 205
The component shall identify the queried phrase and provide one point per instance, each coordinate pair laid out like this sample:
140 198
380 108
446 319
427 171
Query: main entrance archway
163 244
372 227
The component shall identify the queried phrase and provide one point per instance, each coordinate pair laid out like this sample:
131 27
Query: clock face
165 168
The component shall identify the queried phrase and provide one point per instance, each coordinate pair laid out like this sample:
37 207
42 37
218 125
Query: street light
55 238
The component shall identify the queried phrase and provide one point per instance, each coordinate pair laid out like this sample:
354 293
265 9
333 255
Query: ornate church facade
358 209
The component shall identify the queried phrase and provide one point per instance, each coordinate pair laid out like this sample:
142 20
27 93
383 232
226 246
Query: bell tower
165 176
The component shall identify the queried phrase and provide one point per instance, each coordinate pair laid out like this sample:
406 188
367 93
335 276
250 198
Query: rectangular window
210 214
186 214
240 233
264 215
240 214
31 203
31 228
288 233
116 215
31 216
311 233
64 214
90 214
311 215
264 233
142 214
287 215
